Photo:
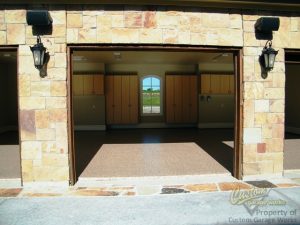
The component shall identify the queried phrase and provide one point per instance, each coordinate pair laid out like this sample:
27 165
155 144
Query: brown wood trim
120 73
9 48
237 166
217 73
18 104
139 47
237 52
13 48
72 155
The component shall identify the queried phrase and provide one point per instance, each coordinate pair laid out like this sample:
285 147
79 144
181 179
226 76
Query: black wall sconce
264 28
41 22
38 52
268 56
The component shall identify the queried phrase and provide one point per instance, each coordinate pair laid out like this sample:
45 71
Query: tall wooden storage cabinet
181 99
121 99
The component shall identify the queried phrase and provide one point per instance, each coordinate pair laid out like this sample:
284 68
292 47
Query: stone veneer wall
43 108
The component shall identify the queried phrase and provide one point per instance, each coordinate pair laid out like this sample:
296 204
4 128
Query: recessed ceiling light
7 55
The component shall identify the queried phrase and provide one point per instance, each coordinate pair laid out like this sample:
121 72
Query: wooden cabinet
217 84
121 99
88 85
181 99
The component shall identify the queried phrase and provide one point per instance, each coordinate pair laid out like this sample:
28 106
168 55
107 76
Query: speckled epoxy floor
159 159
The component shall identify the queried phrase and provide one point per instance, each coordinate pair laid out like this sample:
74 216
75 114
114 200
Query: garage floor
291 152
9 156
196 151
138 160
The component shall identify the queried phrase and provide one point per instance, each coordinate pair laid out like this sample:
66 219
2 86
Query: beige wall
292 105
219 109
89 110
44 137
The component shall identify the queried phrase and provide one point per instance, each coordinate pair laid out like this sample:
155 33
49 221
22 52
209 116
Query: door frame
14 48
238 72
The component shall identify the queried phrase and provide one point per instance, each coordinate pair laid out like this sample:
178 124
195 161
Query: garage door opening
149 113
292 111
10 171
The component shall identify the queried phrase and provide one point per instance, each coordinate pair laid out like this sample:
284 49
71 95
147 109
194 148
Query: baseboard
294 130
216 125
90 127
152 125
8 128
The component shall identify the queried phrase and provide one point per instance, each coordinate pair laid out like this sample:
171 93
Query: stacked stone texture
43 101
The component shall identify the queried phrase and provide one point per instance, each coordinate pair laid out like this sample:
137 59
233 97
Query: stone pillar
264 100
42 101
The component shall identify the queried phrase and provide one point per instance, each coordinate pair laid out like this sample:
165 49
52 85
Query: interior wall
216 109
292 106
8 96
90 110
88 67
152 69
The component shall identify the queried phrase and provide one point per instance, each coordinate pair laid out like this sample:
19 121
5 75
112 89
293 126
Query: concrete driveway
173 209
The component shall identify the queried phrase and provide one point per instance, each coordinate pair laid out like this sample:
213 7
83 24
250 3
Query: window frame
161 95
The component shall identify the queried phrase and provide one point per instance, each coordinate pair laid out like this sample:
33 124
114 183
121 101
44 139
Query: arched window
151 95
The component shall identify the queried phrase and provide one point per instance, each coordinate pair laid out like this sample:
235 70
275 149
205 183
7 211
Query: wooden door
117 99
109 99
193 99
98 84
88 85
215 84
185 98
205 84
125 111
224 84
178 99
78 85
169 99
134 99
231 84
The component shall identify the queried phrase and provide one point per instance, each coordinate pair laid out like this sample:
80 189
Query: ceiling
151 57
205 61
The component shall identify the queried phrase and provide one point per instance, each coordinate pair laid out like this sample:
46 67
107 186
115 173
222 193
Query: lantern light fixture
268 56
38 52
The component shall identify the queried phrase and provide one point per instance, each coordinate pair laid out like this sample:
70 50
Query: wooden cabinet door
231 84
185 80
125 100
169 99
224 84
109 99
98 84
88 85
215 84
178 99
193 99
134 99
77 85
205 84
117 100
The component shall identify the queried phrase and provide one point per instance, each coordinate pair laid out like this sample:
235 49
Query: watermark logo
255 201
253 198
